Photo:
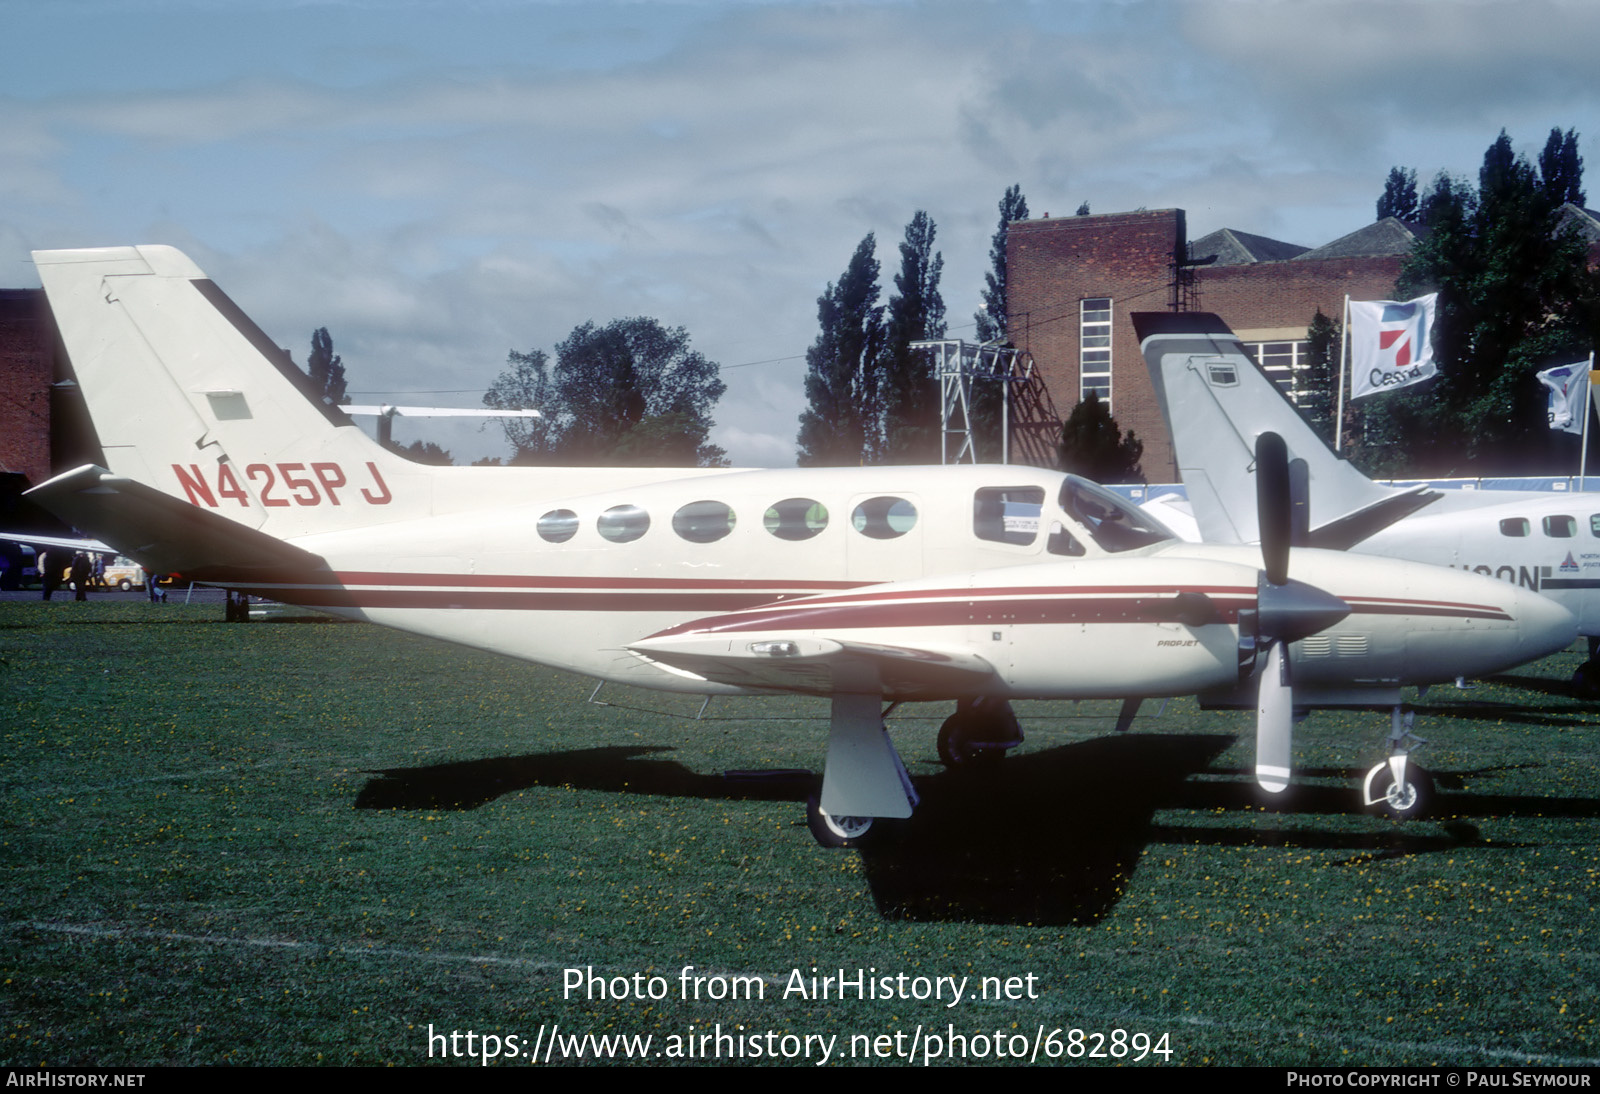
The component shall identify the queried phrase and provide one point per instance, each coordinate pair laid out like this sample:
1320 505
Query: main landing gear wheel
978 734
1586 681
1412 798
832 831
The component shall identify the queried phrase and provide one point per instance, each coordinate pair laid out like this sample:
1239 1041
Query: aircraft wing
92 546
162 533
811 665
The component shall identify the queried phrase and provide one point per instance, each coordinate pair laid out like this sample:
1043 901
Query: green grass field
296 843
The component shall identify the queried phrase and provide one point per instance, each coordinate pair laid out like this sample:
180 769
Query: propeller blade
1274 505
1274 722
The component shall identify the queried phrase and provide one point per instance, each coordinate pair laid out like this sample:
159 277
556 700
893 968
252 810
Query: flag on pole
1389 344
1569 395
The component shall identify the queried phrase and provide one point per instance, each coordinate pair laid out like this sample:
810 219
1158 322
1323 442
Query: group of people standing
85 570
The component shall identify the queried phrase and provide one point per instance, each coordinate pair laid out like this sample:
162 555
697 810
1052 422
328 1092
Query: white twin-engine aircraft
1217 401
973 584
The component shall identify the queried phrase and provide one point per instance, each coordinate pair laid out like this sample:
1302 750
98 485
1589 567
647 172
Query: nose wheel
831 831
1397 786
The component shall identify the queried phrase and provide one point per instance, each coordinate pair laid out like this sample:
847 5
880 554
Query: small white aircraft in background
973 584
1223 402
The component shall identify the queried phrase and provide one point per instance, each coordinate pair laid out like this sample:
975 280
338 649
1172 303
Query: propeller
1286 610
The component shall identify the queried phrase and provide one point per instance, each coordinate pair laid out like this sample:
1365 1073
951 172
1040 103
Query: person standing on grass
80 576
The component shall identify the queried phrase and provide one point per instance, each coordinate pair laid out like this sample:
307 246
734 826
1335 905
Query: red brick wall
27 340
1053 263
1288 294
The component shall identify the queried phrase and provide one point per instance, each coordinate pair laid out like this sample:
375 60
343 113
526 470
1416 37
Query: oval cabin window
884 518
623 523
703 521
557 526
795 518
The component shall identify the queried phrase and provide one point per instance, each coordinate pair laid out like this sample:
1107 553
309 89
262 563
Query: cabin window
1560 527
795 518
884 518
1008 514
1514 526
623 523
1594 526
1115 524
557 526
703 521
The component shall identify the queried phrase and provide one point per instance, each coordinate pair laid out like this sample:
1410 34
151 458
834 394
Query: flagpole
1583 460
1344 334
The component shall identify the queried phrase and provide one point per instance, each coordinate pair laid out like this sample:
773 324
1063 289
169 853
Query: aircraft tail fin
189 396
1216 402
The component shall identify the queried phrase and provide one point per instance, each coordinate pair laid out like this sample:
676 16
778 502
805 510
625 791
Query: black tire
1586 681
1415 799
125 585
955 742
830 831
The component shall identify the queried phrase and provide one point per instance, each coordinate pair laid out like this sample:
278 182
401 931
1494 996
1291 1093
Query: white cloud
438 200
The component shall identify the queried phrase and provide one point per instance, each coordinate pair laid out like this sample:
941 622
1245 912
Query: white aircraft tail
190 397
1216 402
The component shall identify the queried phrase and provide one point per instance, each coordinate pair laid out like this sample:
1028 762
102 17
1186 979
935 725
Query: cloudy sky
440 182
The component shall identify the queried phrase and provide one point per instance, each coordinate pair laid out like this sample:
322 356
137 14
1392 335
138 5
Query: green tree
1093 446
910 429
988 397
993 319
1399 197
631 393
1319 382
1561 168
526 385
841 419
1514 297
425 452
326 370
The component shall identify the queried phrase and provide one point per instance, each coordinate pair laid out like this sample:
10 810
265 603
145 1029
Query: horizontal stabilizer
163 534
813 666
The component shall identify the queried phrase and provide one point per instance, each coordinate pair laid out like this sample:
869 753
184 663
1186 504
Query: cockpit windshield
1115 523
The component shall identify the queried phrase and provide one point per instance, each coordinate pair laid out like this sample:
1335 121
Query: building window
1285 363
1094 349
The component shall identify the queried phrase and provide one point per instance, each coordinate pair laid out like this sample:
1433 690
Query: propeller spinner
1286 611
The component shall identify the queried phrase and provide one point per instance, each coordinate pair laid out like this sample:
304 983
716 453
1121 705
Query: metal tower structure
958 364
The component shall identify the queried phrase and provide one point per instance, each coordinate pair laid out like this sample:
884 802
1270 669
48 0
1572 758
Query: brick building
1073 282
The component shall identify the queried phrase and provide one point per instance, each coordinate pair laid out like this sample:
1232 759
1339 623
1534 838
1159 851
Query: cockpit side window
1008 514
1114 523
1062 542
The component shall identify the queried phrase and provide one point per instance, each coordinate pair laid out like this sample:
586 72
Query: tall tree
1399 199
1514 294
1319 382
326 370
910 429
526 385
1093 446
631 393
841 368
1561 168
988 397
993 318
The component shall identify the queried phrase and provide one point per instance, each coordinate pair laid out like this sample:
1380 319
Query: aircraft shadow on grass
1049 837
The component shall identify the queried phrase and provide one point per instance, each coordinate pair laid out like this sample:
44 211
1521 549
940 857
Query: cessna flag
1569 392
1389 344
